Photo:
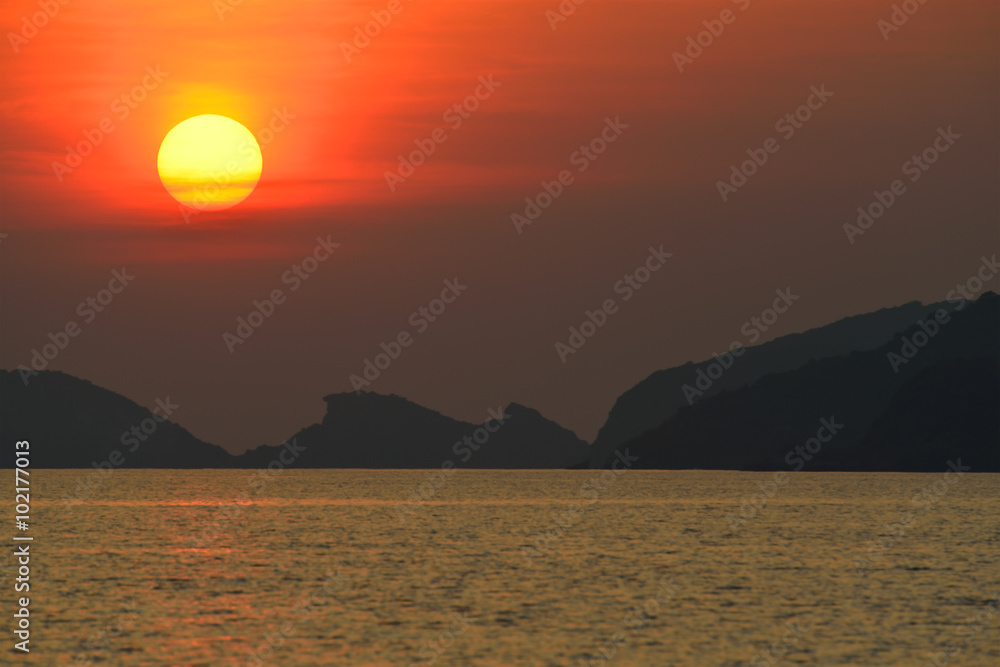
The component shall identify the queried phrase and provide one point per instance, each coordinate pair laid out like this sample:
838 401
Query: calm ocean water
316 567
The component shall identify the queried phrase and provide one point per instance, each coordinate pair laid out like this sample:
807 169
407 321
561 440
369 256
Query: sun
209 162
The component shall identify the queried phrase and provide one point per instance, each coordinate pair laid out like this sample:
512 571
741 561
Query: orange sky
324 174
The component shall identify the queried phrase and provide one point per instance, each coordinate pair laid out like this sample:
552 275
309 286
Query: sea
581 568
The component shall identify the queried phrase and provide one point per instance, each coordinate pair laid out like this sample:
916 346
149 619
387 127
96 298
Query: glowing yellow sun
209 162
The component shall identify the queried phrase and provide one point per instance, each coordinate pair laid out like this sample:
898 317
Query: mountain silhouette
898 396
949 409
658 397
72 423
368 430
942 404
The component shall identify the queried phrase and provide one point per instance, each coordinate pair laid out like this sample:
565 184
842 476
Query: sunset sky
332 120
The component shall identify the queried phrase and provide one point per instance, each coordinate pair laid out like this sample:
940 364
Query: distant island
905 389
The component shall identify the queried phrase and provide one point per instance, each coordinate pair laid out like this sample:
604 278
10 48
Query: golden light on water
209 162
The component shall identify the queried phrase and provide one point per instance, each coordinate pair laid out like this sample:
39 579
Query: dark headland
901 389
